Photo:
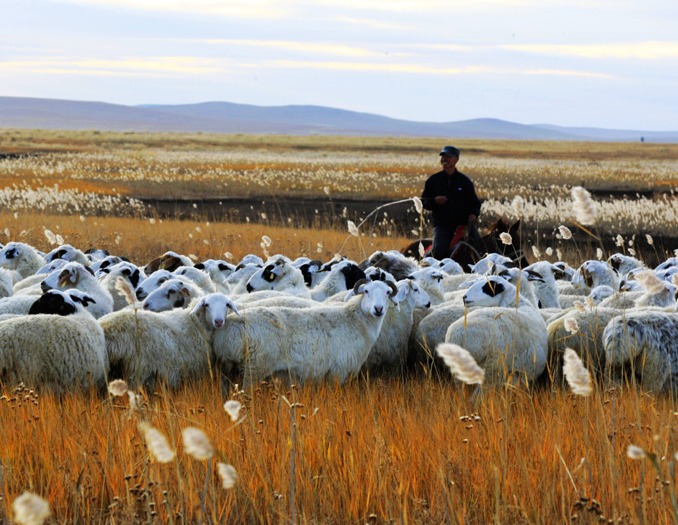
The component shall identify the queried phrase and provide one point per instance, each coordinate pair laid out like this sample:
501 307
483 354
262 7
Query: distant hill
227 117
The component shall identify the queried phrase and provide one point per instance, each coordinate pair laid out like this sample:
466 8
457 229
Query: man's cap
451 151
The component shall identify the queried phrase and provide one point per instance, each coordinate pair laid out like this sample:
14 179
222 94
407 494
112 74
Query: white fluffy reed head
117 387
157 443
197 444
30 509
232 408
506 238
571 325
565 232
461 363
125 288
227 475
583 205
649 280
576 374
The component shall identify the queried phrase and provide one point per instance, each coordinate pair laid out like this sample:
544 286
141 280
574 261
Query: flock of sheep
70 319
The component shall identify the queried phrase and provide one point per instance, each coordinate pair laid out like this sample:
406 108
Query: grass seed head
584 207
197 444
576 374
30 509
461 363
228 475
232 408
117 387
157 443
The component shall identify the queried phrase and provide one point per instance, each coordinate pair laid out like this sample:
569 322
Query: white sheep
447 265
623 264
544 276
6 283
430 278
593 273
564 271
430 331
389 353
506 337
236 283
524 282
310 269
174 346
61 352
198 277
582 330
75 275
668 263
491 263
281 275
31 284
17 304
391 261
340 277
331 339
218 270
270 298
600 293
109 276
151 282
173 293
21 258
644 344
69 254
169 261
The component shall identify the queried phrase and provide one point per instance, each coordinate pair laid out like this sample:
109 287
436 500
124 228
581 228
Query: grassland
414 450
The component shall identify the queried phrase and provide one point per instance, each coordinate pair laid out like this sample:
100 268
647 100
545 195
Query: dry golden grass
142 240
414 451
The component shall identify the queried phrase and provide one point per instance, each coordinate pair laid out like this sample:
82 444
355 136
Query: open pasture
414 450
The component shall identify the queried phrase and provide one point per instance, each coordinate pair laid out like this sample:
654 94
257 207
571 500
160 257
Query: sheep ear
534 276
200 304
230 304
401 292
493 288
66 277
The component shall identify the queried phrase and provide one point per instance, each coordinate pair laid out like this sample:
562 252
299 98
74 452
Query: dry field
415 450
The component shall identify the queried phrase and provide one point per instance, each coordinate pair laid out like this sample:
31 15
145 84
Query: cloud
134 66
437 70
297 46
258 9
648 50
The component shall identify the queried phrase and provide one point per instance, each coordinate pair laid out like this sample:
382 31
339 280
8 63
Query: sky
591 63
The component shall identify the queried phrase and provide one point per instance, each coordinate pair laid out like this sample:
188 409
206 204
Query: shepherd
451 197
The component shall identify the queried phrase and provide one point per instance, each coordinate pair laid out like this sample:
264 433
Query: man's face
449 163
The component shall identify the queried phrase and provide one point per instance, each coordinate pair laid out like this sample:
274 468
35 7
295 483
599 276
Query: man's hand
440 200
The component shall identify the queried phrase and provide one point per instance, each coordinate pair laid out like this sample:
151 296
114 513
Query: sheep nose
140 295
249 288
45 287
218 323
146 306
378 311
465 301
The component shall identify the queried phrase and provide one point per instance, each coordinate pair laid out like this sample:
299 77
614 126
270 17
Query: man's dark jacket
462 200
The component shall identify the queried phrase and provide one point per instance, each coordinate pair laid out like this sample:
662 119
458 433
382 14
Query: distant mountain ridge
228 117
